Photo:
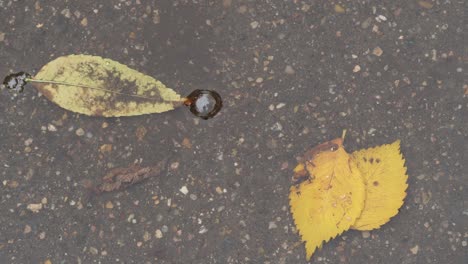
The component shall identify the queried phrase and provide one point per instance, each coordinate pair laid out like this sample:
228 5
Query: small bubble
204 103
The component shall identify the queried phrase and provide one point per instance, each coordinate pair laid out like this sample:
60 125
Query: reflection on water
204 103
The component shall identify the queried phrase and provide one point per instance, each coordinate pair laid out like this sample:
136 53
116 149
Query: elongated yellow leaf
330 200
384 172
102 87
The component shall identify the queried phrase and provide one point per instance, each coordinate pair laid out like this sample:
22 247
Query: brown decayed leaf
122 178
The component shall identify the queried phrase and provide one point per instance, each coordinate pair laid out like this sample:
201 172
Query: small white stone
357 68
93 250
277 127
272 225
130 218
158 234
289 70
184 190
254 25
35 208
174 165
27 229
79 132
66 13
84 22
280 105
414 249
28 141
77 14
51 128
203 230
380 18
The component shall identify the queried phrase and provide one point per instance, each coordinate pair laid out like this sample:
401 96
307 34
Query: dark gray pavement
292 74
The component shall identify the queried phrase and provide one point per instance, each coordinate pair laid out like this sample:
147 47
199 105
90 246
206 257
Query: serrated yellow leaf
330 198
384 173
120 91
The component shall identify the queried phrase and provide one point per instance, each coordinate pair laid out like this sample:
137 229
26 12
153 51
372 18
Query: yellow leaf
384 173
96 86
328 195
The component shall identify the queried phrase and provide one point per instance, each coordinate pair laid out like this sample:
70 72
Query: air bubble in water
204 103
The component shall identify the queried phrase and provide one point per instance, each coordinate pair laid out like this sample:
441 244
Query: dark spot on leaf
371 160
300 179
46 92
377 160
364 158
375 183
60 72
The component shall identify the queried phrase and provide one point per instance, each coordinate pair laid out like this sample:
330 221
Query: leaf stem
182 100
343 134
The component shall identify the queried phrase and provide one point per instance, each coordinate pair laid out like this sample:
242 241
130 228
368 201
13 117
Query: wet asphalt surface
293 74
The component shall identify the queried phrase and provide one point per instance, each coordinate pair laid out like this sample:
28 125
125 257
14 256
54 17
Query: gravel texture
292 74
